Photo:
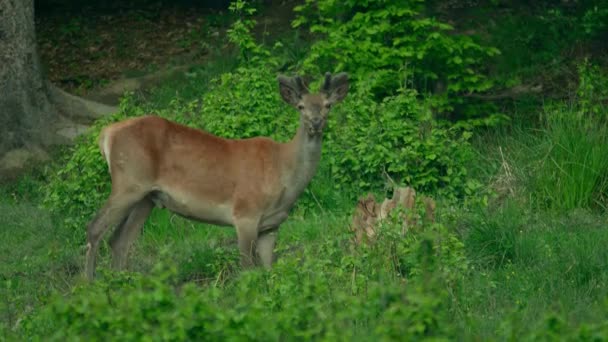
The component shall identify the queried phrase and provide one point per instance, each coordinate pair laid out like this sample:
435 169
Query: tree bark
25 107
34 114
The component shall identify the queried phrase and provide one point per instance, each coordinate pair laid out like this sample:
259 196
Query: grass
524 264
527 263
573 161
34 260
559 165
538 247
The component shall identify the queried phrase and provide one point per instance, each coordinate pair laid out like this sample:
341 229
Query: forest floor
96 48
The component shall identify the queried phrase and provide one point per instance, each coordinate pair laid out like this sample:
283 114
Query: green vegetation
517 251
391 45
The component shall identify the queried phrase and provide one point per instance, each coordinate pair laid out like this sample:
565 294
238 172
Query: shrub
321 291
240 32
397 137
246 103
393 44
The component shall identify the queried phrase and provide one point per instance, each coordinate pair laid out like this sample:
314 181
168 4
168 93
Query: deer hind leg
128 231
265 247
113 212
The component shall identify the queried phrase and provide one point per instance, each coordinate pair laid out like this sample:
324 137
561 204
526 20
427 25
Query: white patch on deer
106 149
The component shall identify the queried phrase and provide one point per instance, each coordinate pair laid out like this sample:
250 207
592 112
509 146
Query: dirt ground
86 48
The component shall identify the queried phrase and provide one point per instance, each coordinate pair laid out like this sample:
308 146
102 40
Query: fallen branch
511 93
112 92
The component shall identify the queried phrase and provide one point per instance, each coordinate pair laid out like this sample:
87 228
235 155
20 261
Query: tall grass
571 154
527 263
559 163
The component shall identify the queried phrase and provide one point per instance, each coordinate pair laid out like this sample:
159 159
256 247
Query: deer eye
300 106
328 105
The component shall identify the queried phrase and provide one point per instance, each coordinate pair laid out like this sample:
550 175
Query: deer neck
305 153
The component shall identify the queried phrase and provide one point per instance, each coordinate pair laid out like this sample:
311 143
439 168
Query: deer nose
316 122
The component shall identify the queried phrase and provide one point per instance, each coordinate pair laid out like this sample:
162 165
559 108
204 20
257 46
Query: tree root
78 108
74 115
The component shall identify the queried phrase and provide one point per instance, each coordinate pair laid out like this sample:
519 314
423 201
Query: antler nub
327 83
300 84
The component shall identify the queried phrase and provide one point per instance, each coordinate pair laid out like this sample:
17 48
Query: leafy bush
540 40
320 291
392 45
245 104
240 32
396 137
594 20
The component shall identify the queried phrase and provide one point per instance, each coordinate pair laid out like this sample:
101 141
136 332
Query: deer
251 184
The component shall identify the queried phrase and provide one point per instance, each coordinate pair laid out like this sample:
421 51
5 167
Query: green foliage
81 184
539 40
396 137
392 45
323 291
560 161
526 264
426 251
594 21
426 284
393 55
592 90
495 241
240 32
246 103
571 165
34 260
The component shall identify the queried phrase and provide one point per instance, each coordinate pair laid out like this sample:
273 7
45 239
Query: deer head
314 108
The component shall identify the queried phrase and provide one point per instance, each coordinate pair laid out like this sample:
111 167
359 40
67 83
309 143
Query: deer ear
290 89
335 88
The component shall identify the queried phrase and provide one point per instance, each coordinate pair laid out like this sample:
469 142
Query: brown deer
250 183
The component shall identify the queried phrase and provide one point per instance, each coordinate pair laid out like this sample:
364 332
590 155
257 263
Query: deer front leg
265 247
247 233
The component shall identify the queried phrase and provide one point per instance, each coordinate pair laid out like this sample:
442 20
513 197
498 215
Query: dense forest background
494 109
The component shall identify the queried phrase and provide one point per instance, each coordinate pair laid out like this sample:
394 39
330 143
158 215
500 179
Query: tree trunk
25 108
33 113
